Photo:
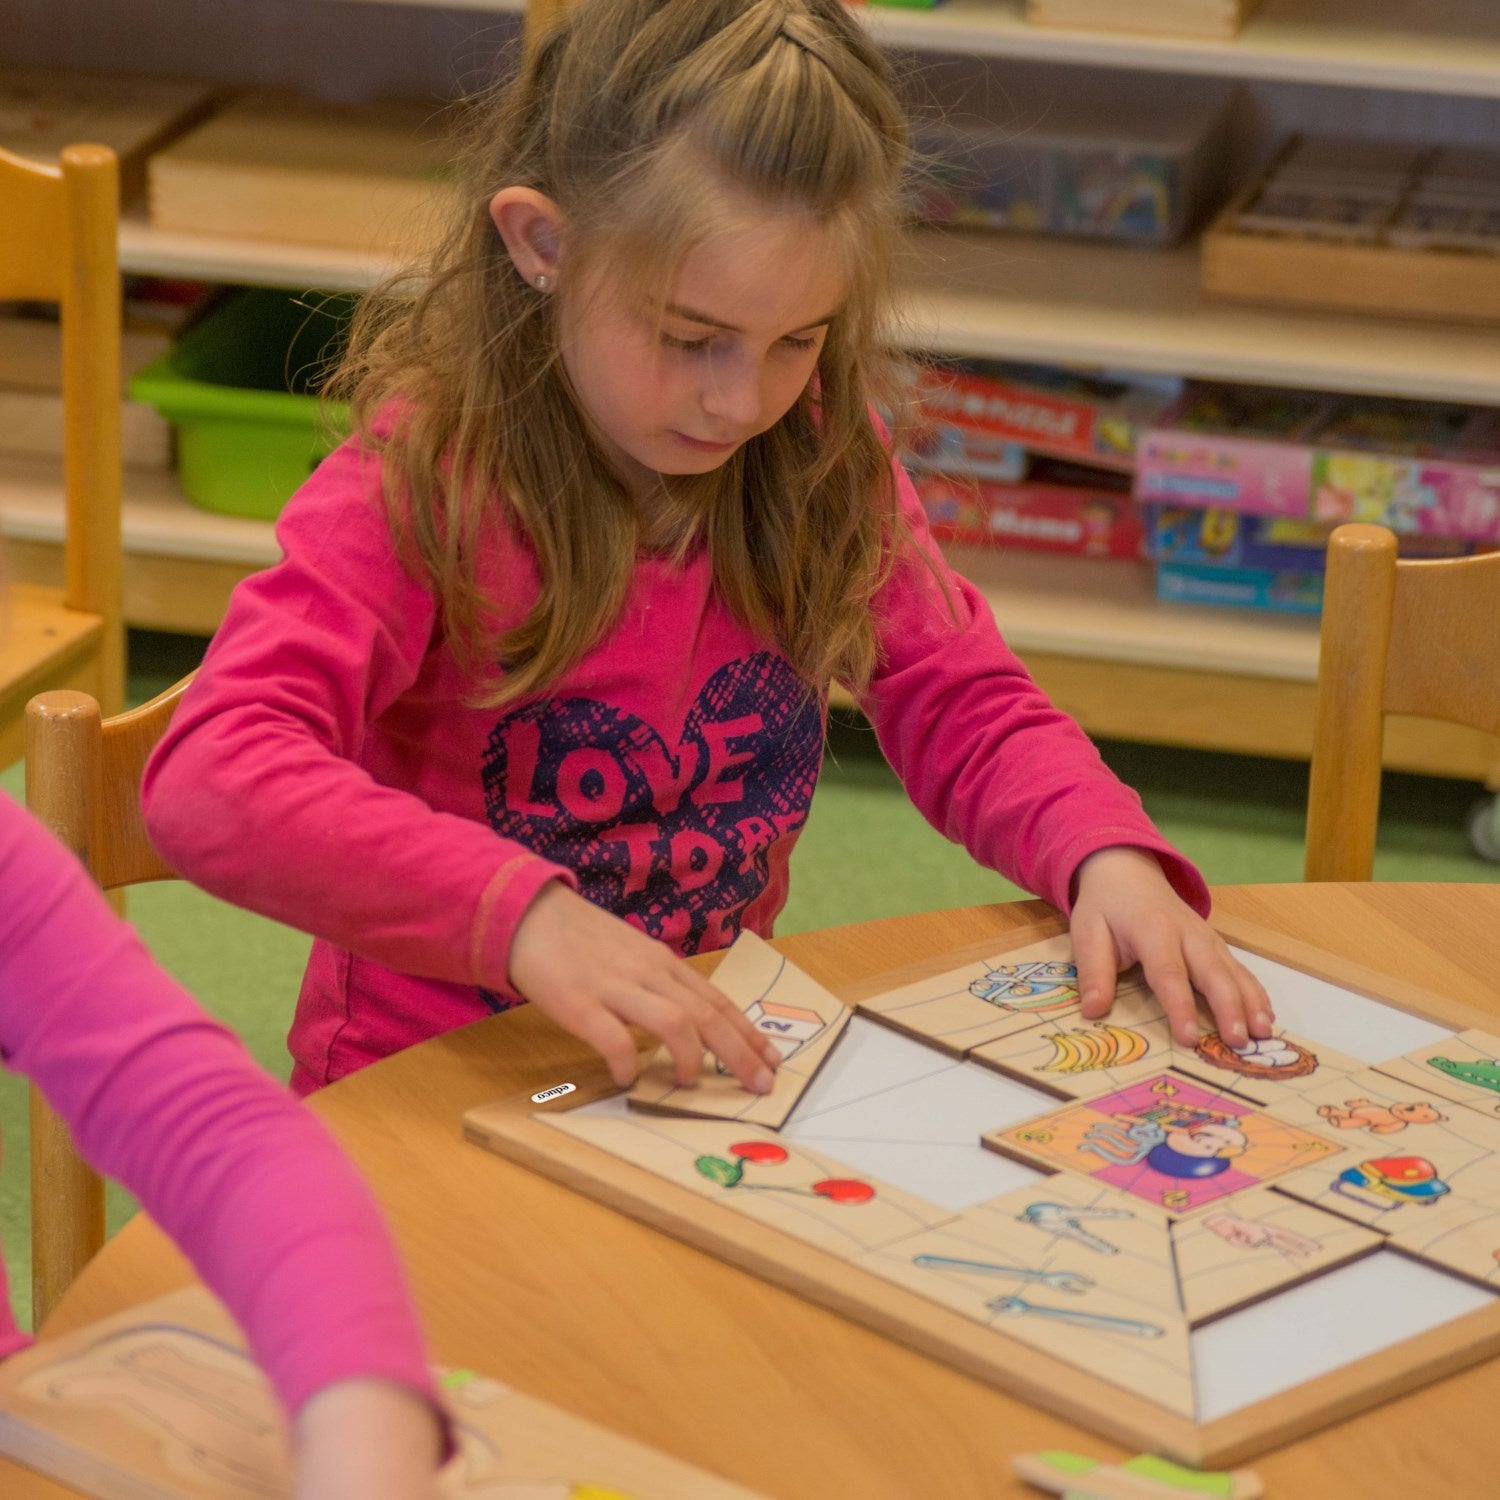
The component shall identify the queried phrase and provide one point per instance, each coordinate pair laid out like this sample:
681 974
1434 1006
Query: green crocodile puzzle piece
1483 1075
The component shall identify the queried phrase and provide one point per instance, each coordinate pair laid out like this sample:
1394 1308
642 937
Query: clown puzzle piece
1166 1139
781 1002
1144 1477
163 1403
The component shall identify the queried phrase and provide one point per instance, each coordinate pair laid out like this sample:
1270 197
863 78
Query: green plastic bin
238 387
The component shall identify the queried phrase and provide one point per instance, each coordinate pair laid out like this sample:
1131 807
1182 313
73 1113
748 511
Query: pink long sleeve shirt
163 1098
325 768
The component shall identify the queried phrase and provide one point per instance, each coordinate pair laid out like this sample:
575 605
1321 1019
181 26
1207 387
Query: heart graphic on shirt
678 839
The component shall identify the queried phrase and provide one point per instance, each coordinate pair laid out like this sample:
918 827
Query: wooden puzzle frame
511 1128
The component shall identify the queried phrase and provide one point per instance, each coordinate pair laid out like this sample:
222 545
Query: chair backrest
1399 637
83 780
58 243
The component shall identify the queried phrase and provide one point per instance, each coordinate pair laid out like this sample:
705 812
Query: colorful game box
1219 538
1287 591
966 412
1010 150
1415 466
1093 521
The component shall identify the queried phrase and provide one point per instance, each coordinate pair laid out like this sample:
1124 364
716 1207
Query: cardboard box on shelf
1421 467
1037 515
963 413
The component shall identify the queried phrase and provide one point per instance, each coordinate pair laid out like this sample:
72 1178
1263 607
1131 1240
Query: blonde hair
648 122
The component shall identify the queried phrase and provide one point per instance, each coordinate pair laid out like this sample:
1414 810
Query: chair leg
67 1210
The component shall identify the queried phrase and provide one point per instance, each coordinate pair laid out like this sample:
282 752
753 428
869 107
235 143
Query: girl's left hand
1126 912
367 1439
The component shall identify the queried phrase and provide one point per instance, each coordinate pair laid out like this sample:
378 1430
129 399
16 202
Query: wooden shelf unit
1425 46
1097 639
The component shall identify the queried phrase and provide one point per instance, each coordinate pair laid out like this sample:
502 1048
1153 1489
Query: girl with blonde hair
534 704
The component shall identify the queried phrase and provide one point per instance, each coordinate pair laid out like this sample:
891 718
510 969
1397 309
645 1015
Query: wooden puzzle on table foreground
1135 1234
163 1403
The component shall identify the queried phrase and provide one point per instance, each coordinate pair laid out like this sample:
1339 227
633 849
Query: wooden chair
1399 637
83 780
57 244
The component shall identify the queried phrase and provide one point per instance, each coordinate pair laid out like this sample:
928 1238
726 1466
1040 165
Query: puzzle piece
1464 1068
1464 1239
1257 1243
1412 1153
1165 1139
1106 1302
1078 1058
781 1002
1145 1477
1264 1070
985 1000
773 1179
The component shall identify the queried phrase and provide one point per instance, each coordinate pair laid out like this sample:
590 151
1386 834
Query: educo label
554 1093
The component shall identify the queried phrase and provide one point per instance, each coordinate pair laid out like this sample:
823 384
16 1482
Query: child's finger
594 1025
1213 973
728 1015
733 1040
1258 1007
1098 965
668 1021
1166 972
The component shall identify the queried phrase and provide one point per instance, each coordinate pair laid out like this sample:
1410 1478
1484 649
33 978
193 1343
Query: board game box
963 413
1415 466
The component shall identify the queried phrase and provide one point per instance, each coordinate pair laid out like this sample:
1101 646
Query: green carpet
866 853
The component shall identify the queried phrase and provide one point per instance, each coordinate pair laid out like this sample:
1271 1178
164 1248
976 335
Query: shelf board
204 257
1017 297
157 519
1432 46
1429 46
1076 302
1098 610
1105 610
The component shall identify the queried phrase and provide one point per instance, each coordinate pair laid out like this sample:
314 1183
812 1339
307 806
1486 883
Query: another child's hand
367 1439
592 974
1126 913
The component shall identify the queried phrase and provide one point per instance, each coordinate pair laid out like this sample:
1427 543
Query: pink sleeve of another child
161 1097
982 752
255 792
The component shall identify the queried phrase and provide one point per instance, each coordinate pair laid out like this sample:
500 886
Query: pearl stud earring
543 282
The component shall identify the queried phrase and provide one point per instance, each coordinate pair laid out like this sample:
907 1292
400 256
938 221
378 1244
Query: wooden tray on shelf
1214 19
1286 268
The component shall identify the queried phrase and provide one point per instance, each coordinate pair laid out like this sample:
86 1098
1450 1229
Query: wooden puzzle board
1350 1320
162 1403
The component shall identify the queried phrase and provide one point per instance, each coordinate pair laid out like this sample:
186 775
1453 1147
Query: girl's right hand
592 973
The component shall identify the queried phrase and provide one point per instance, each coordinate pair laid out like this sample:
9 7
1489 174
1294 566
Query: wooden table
587 1308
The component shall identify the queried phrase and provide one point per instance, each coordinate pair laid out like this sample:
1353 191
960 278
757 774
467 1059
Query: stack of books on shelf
1241 487
1029 457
